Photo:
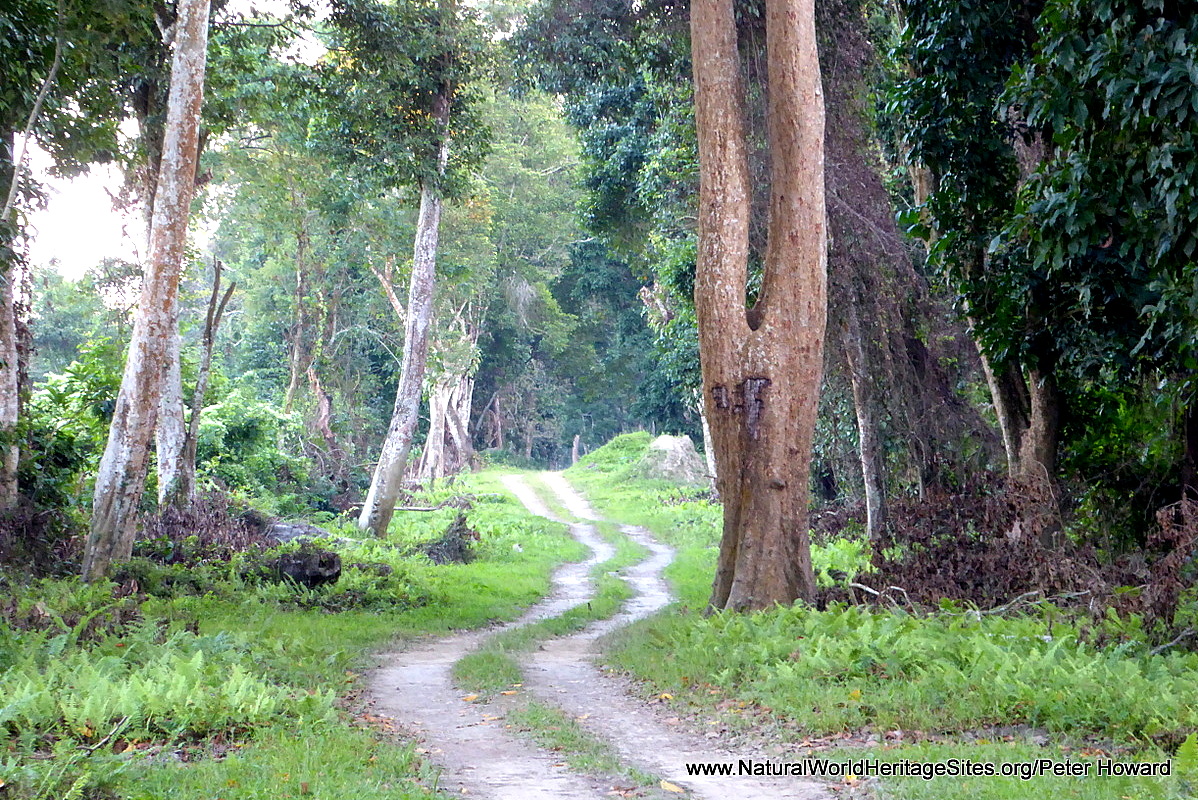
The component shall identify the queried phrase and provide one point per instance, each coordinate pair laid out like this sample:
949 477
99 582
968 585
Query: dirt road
480 757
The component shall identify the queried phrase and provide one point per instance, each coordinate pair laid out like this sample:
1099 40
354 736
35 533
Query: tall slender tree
121 477
761 365
415 64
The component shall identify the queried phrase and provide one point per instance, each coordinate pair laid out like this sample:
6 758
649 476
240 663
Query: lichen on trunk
120 480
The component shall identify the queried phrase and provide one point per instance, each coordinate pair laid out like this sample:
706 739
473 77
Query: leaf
672 787
1187 754
470 698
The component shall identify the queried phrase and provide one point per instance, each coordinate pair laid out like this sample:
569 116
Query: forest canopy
1010 260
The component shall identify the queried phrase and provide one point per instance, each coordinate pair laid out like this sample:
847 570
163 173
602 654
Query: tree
761 365
412 64
121 477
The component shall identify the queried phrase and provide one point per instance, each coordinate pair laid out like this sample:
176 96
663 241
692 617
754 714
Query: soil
478 754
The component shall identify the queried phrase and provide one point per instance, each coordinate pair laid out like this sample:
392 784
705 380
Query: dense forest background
1011 340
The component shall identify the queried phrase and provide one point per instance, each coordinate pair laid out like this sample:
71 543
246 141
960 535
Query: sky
79 228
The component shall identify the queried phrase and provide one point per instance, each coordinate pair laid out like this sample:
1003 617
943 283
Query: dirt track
480 757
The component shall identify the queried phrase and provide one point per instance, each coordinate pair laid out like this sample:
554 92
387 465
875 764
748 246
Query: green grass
317 762
553 729
850 668
809 672
254 709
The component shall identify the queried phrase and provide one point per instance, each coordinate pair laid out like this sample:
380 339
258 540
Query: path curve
480 757
477 754
563 673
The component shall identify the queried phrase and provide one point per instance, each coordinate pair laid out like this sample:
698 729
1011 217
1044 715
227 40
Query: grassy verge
224 688
942 680
553 729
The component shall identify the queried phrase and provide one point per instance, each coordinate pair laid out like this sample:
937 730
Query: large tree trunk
386 483
448 448
761 368
120 480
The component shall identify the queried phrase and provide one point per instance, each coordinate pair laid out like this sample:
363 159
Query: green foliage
399 73
139 685
1110 212
89 685
63 432
617 455
317 761
246 443
852 667
623 70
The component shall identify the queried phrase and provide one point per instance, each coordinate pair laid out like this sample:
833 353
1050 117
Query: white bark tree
387 481
120 480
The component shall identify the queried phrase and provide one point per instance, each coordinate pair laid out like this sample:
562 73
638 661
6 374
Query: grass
553 729
283 658
801 672
330 762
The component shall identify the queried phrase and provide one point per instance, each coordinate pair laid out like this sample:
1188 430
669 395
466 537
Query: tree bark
10 373
10 378
761 367
865 404
301 351
386 483
120 480
170 434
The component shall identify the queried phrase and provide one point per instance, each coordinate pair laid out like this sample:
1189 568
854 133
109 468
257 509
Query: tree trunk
708 447
1189 461
761 368
183 491
10 382
432 459
865 404
10 374
388 474
448 449
301 351
120 480
170 434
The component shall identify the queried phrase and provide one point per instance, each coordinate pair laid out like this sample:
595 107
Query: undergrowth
189 677
932 675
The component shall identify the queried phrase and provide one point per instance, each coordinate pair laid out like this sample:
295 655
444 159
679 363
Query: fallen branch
1187 633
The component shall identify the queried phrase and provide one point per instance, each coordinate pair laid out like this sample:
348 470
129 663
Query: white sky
79 228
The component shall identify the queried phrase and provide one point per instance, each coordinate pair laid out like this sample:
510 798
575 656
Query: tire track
564 674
